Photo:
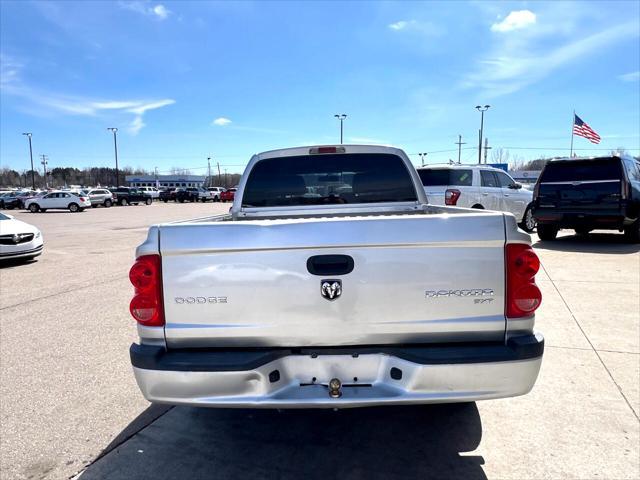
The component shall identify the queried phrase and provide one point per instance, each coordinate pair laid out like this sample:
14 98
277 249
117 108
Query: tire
528 222
124 202
2 205
547 232
632 232
94 206
34 208
583 231
181 200
107 203
74 207
81 209
165 200
148 201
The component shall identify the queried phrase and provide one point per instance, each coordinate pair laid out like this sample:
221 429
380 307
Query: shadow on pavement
17 262
591 243
385 442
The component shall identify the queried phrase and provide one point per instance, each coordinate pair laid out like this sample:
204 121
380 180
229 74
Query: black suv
588 193
130 196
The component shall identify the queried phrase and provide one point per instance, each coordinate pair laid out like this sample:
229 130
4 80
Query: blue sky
184 81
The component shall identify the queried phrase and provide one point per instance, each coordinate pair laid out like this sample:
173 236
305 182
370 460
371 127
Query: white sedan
74 202
18 239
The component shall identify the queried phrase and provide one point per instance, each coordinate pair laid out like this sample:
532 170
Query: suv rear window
329 179
432 177
582 170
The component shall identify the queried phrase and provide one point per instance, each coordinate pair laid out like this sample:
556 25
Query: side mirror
515 186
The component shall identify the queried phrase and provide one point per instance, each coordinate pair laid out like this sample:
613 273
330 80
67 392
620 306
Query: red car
228 195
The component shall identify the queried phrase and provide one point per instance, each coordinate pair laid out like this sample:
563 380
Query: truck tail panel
334 282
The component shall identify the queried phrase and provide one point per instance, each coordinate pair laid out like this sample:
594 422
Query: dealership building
165 180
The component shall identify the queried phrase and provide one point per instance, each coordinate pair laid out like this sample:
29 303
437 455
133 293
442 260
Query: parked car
216 191
16 199
228 195
168 194
205 195
186 195
478 186
19 239
131 195
100 196
74 202
354 297
585 194
153 192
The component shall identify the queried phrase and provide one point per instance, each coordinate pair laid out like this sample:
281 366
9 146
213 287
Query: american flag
581 129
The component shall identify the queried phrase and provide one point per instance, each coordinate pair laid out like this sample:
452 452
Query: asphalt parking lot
70 405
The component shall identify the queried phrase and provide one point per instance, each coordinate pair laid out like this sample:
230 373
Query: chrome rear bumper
300 380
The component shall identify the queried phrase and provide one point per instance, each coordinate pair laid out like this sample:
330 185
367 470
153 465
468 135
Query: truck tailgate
415 279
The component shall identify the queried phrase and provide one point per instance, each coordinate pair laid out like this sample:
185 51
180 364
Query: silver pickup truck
332 283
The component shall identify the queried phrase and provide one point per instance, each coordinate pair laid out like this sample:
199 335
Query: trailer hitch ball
334 388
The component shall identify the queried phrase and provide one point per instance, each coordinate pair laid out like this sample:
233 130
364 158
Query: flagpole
573 122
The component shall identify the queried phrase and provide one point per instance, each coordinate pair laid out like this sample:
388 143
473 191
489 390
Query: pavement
69 406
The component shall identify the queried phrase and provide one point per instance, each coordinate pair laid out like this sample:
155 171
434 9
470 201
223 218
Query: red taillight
451 196
82 199
146 277
523 295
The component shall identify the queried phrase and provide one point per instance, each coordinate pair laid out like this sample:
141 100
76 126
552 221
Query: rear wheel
547 232
74 207
148 201
632 232
124 202
583 231
107 203
34 207
165 200
528 222
93 206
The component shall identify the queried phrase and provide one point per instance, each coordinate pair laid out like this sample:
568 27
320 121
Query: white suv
478 186
153 192
215 192
74 202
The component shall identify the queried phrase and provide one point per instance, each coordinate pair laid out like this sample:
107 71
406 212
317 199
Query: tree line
59 177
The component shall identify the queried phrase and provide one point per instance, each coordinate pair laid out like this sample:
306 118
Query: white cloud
425 28
630 77
515 21
221 122
161 11
52 102
158 11
401 25
513 66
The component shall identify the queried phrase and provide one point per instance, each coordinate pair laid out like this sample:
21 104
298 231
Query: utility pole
226 183
486 149
460 143
155 170
422 157
45 160
341 117
481 110
33 175
115 149
219 178
208 171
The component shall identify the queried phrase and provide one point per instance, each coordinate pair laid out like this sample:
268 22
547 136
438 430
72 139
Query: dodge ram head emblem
331 289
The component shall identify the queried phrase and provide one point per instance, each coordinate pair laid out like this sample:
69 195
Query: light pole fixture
115 149
422 157
33 178
341 117
481 110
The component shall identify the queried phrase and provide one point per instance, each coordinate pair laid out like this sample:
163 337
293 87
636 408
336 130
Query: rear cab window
346 178
435 177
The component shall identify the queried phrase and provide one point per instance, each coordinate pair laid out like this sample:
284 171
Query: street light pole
115 149
422 155
45 160
33 177
341 117
481 110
